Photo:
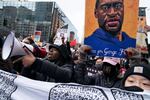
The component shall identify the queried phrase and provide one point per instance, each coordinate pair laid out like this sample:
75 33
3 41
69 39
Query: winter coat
59 70
47 71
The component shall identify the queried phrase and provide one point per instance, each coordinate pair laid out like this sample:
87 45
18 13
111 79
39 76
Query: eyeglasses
116 6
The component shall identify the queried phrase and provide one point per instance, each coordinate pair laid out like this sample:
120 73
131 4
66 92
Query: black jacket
46 71
60 70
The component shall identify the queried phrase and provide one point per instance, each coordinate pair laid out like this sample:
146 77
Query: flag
64 27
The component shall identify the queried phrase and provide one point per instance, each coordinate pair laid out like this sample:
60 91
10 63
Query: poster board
129 26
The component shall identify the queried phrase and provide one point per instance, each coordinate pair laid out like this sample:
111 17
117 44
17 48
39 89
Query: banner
111 27
16 87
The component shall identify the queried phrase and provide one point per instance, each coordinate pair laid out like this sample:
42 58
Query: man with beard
109 40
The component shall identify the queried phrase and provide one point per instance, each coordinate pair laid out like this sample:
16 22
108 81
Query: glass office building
24 18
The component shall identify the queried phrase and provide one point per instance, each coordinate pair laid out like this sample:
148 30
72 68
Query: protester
133 56
110 69
59 54
99 63
57 69
27 42
81 63
59 65
109 76
138 76
82 54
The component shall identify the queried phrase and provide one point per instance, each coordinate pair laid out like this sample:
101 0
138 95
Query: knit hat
140 69
54 46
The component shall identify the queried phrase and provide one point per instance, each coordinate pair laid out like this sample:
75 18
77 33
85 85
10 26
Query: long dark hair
110 70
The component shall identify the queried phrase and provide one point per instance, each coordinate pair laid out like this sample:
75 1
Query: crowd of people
65 64
62 63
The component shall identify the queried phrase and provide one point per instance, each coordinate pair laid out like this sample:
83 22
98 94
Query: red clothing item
40 52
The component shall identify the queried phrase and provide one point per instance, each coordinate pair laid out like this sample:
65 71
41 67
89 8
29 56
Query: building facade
24 18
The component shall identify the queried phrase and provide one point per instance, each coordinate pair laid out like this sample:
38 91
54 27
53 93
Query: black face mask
110 71
133 88
98 66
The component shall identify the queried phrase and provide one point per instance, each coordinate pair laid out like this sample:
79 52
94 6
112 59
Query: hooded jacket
56 71
104 44
65 56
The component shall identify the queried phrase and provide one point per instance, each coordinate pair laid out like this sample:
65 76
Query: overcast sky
74 10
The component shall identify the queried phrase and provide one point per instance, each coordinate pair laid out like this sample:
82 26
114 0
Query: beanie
54 46
140 69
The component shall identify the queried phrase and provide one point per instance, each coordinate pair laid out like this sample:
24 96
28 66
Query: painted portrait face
139 81
110 14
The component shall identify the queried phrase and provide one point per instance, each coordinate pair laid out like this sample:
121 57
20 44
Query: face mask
133 88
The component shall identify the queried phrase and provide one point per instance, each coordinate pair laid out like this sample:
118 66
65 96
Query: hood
62 50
